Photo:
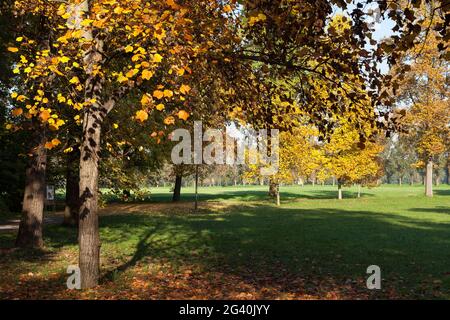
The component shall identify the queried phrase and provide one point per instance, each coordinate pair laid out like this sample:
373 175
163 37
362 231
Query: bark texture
429 179
30 228
177 189
72 207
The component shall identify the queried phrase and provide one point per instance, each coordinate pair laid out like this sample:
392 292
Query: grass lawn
240 246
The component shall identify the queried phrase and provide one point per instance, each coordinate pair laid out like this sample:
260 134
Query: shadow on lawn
311 250
260 195
264 244
442 192
440 209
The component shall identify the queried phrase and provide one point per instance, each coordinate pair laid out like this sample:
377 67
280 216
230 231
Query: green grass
312 236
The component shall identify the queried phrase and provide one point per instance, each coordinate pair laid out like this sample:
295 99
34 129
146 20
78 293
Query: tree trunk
400 181
438 180
429 179
359 191
273 186
88 235
177 189
72 207
339 190
196 188
30 228
448 172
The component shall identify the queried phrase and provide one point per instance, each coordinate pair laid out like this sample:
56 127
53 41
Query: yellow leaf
180 72
172 4
74 80
121 78
157 58
19 39
115 126
168 93
44 115
184 89
21 98
49 145
160 107
131 73
64 59
147 74
183 115
129 48
68 150
146 100
169 120
86 22
158 94
14 95
141 115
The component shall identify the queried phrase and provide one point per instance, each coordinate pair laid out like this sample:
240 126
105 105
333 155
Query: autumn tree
424 91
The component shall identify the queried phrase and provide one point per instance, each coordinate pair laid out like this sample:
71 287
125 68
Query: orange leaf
141 115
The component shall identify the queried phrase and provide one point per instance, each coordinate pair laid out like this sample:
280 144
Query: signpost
50 197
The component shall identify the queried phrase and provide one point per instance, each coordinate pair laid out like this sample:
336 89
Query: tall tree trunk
88 235
72 207
177 189
400 181
339 189
196 188
448 172
273 186
359 191
429 179
30 228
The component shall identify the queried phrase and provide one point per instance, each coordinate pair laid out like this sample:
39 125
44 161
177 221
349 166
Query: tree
350 161
424 90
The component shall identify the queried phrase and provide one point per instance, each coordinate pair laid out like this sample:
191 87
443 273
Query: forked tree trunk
177 189
429 179
72 207
88 234
30 228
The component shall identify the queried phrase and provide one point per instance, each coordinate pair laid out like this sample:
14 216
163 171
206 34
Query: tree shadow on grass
439 209
267 244
442 192
312 251
259 195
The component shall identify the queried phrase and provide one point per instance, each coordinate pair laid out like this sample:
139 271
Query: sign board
50 194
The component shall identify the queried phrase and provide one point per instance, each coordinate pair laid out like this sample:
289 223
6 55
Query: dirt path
13 224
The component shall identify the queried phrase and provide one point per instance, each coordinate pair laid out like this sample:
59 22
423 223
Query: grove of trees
91 90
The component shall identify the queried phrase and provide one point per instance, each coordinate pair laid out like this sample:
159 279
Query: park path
13 224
